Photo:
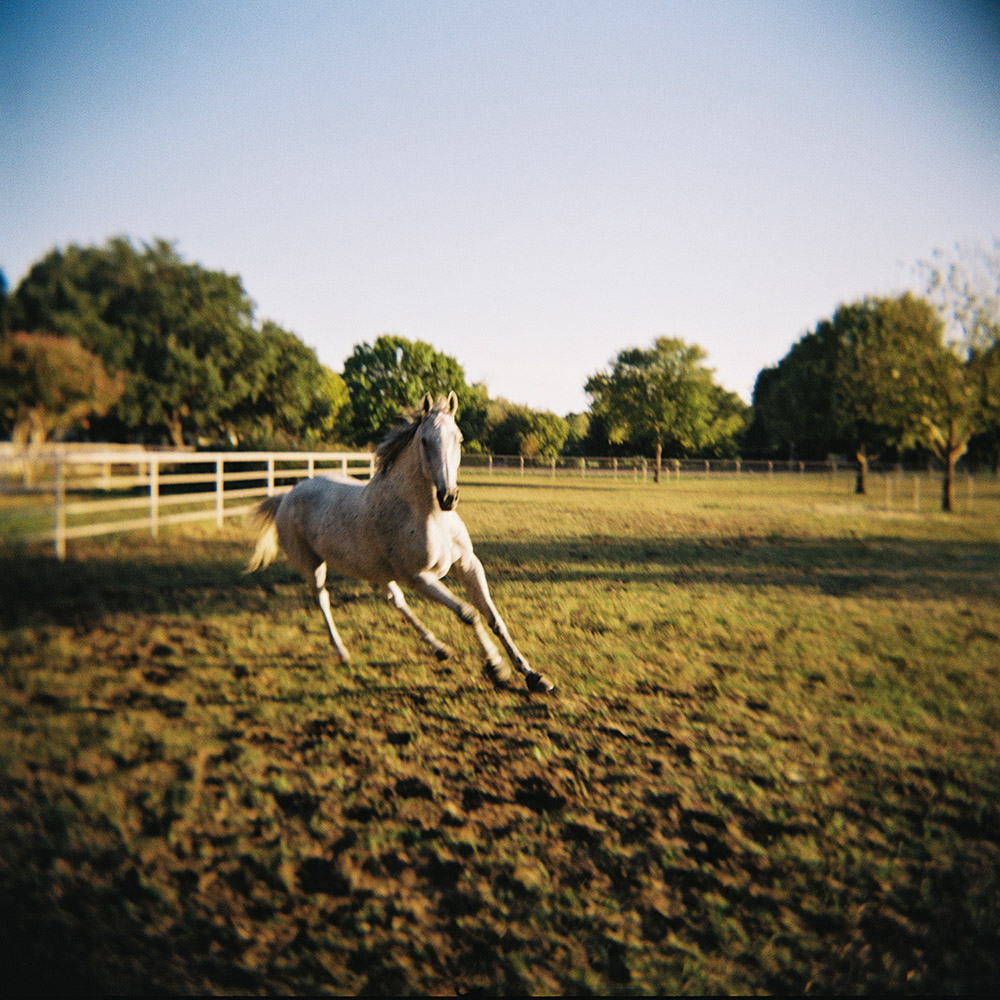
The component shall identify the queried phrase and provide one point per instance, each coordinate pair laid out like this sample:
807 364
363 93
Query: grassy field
771 764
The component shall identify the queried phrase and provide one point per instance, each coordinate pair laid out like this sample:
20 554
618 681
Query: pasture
771 763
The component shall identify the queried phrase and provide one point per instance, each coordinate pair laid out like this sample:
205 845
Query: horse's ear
427 403
452 403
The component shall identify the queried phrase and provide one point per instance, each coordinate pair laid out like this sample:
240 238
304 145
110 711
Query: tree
385 378
859 381
663 395
883 349
793 400
183 334
292 398
963 379
513 429
48 384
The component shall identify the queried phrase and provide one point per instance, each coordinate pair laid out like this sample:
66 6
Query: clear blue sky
530 187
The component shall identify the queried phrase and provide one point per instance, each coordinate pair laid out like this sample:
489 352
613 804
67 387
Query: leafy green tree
49 384
793 400
182 334
385 378
514 429
865 380
884 348
579 432
292 397
664 395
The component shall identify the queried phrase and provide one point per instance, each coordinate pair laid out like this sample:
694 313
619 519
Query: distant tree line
131 343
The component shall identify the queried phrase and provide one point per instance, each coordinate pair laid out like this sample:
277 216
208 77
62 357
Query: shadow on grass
37 590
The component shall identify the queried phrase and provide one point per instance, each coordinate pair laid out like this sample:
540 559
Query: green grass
771 764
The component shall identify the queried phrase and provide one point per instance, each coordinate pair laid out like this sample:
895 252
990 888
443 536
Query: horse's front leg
398 601
430 586
473 578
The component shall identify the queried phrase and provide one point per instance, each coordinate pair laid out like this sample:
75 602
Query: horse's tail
267 534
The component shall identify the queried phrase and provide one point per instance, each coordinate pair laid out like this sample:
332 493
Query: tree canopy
513 429
194 363
666 396
50 383
393 374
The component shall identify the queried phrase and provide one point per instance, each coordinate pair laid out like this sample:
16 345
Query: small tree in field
663 394
48 384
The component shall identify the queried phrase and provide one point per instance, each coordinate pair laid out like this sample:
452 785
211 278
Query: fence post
522 465
219 479
154 497
553 467
270 475
739 467
59 498
614 465
490 464
343 467
311 466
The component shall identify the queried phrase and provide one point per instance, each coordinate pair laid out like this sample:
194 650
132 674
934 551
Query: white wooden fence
155 487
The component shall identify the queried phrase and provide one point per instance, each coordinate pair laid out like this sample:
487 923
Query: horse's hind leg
322 596
396 598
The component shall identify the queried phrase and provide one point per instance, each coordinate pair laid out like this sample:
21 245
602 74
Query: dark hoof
497 674
539 683
444 653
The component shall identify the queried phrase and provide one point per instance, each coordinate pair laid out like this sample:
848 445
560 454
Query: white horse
399 526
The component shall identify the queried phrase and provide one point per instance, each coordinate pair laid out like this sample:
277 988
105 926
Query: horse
400 526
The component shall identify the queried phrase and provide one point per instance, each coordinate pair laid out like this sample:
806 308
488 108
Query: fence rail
672 468
159 484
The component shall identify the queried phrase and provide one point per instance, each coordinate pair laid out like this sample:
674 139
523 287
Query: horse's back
327 515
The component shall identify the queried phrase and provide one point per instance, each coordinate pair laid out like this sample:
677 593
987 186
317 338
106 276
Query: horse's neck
405 480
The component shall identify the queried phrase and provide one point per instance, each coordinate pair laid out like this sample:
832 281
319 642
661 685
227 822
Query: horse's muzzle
447 499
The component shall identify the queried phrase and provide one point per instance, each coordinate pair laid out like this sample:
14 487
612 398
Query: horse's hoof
497 673
444 653
539 683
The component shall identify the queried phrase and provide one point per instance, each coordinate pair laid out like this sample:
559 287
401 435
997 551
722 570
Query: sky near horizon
531 187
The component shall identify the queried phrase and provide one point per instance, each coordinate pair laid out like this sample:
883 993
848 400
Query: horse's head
440 444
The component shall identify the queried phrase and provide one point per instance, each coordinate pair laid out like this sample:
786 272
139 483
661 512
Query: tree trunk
659 461
861 484
955 446
175 430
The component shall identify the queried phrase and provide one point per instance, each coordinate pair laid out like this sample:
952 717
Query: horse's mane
392 445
